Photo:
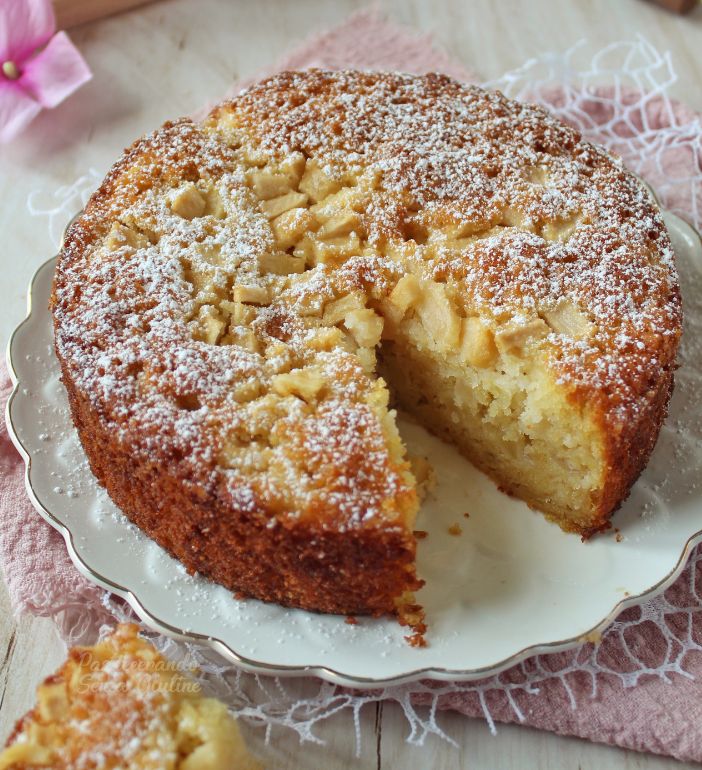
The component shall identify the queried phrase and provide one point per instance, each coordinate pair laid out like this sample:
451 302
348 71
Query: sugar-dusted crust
177 339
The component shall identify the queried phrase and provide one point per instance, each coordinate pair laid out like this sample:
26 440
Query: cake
120 704
246 300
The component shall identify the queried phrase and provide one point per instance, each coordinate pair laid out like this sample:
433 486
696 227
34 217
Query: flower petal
24 26
56 72
17 110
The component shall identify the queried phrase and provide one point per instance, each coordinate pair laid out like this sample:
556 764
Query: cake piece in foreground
121 705
242 297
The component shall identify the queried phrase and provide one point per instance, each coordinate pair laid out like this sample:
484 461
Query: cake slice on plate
120 704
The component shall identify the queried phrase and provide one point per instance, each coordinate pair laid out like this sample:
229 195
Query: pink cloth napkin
659 714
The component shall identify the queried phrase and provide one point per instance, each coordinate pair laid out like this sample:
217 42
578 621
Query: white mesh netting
618 98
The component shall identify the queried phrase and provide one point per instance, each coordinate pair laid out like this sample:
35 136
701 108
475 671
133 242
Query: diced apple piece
367 358
187 201
536 175
276 206
209 251
406 293
365 326
210 325
343 223
379 395
290 226
121 236
305 250
438 317
566 318
463 230
245 338
477 343
240 314
560 229
317 183
253 156
345 199
201 279
513 337
512 217
280 264
336 311
279 356
214 205
268 184
327 338
335 249
252 295
310 304
305 383
293 166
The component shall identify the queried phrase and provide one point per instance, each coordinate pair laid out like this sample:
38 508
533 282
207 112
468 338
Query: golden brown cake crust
546 216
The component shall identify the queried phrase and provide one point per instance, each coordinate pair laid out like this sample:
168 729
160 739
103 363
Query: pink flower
38 69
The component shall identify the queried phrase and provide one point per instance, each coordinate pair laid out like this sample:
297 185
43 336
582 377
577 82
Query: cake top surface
223 294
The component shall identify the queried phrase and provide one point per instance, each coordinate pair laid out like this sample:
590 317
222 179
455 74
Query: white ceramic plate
510 586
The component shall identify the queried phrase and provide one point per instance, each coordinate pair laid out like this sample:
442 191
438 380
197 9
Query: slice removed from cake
120 704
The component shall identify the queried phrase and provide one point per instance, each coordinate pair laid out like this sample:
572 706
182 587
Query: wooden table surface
169 58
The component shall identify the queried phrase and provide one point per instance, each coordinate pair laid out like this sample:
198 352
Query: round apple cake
245 299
